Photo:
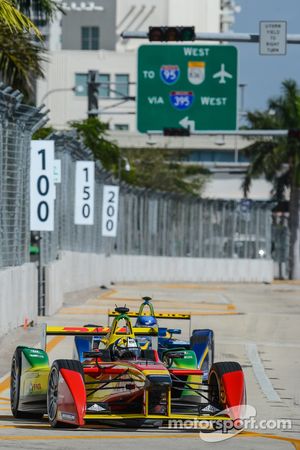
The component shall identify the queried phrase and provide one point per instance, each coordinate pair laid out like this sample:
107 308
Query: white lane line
4 377
260 373
223 299
267 344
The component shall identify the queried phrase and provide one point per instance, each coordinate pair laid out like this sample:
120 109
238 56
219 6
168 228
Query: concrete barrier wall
75 271
151 268
18 296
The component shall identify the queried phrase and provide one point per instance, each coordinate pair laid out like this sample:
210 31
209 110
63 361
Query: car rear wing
164 315
91 331
174 316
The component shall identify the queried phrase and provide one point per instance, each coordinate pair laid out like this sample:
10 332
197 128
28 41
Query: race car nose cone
158 381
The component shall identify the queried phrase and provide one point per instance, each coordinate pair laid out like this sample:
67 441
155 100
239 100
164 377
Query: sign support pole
228 37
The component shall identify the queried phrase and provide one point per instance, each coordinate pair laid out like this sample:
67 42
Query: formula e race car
197 353
117 381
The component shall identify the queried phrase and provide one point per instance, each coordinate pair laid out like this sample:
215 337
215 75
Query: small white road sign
84 193
42 186
57 171
272 38
110 210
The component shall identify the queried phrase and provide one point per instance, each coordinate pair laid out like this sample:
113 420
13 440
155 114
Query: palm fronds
13 19
20 60
40 9
276 159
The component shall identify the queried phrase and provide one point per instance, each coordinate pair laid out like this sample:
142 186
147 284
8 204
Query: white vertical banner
110 210
41 186
84 193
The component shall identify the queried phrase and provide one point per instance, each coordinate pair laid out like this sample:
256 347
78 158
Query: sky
264 74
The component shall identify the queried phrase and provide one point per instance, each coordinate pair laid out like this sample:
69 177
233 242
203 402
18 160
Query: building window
104 88
81 80
81 84
121 127
122 85
90 38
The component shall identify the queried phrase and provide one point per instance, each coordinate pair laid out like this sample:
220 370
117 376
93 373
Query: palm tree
21 54
20 63
279 159
42 10
17 14
13 18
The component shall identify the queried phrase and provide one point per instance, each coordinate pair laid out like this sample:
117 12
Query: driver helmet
146 321
126 348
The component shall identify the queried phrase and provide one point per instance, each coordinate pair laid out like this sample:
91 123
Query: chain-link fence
67 235
17 123
150 223
155 223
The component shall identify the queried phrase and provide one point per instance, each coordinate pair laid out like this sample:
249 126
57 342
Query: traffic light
171 34
177 131
93 91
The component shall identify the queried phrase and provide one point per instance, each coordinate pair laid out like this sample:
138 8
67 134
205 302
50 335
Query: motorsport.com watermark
228 423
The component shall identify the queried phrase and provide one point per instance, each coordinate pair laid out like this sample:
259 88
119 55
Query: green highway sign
185 86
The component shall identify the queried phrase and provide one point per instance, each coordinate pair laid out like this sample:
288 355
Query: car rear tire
52 394
15 379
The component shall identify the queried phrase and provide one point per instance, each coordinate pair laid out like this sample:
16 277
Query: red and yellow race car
196 353
115 379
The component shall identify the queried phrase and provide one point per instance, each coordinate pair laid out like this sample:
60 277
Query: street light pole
52 91
241 112
127 166
242 87
229 37
119 169
93 93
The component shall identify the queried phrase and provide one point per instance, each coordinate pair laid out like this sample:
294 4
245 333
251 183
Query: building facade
98 24
64 90
87 38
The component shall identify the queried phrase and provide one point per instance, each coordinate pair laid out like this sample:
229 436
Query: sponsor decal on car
96 408
36 353
68 416
34 387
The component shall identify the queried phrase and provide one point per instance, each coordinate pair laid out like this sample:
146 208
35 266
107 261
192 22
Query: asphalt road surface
256 325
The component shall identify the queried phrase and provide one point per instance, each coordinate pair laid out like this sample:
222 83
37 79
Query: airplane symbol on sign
222 75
